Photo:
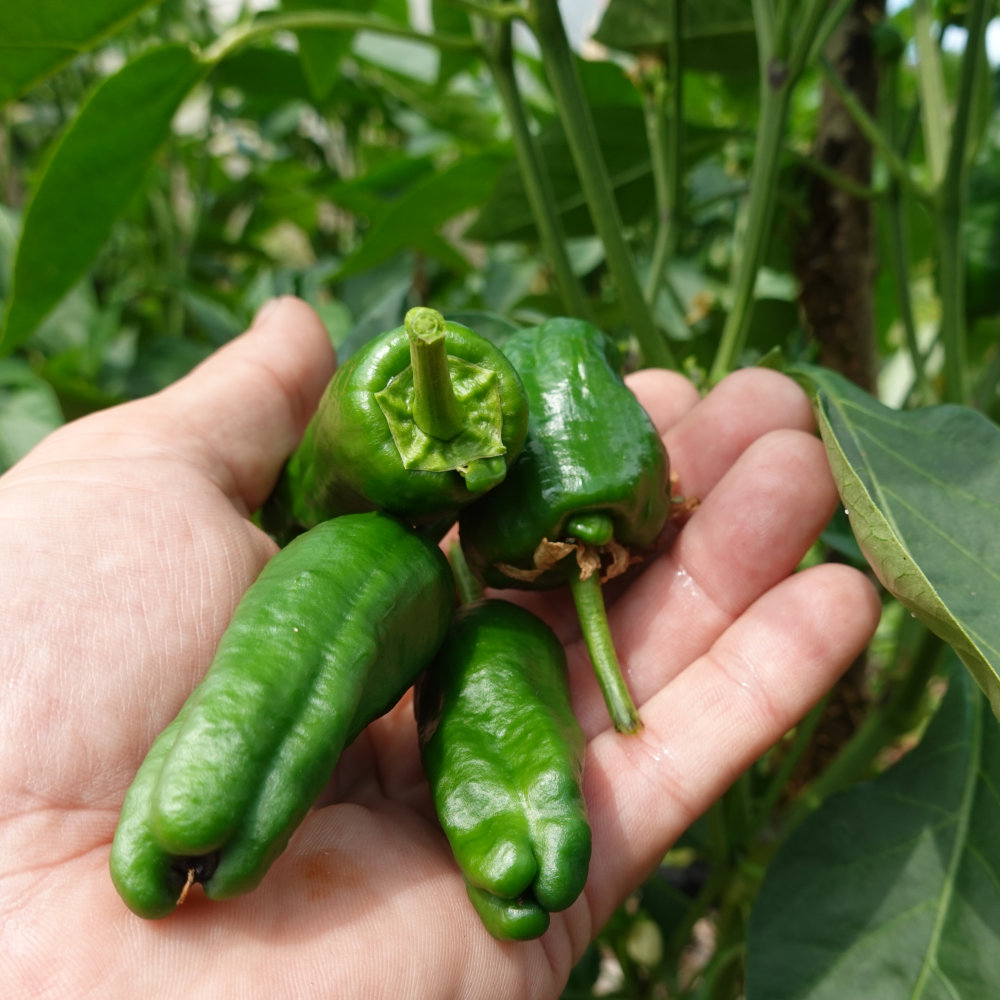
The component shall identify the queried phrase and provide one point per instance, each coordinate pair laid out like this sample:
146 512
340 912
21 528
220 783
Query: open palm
126 546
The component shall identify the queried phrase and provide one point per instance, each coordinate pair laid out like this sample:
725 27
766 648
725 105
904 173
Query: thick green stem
787 37
951 211
589 600
930 81
753 244
899 259
435 409
581 135
667 148
536 181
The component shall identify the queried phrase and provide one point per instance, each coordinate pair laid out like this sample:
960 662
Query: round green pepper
503 754
331 634
593 470
590 485
419 422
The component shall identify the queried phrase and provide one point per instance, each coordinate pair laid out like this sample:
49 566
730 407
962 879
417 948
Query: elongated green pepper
330 635
590 485
419 422
503 754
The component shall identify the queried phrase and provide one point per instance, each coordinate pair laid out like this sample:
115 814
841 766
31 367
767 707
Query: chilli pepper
590 485
419 422
331 634
503 754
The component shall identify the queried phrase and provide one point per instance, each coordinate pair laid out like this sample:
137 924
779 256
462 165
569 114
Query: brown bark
835 256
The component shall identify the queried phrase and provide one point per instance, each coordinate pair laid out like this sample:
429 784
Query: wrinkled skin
126 545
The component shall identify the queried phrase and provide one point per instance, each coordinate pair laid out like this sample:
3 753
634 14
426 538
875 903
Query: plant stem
833 177
331 20
811 50
883 725
895 164
667 149
951 211
899 261
589 600
775 94
777 782
536 181
585 148
466 583
435 409
930 80
490 11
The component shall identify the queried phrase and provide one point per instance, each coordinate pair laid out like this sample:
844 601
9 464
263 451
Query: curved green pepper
331 634
591 483
503 754
418 423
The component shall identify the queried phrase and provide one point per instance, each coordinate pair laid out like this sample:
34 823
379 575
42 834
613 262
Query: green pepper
590 486
503 754
418 423
331 634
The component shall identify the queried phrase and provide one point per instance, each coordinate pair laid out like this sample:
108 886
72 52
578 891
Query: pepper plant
164 172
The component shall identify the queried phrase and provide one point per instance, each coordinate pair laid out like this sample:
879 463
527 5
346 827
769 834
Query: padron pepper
419 422
503 754
331 634
590 487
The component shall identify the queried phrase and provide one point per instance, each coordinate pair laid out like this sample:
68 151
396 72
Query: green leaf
413 221
29 410
93 172
37 38
271 77
922 490
449 20
718 37
322 51
891 889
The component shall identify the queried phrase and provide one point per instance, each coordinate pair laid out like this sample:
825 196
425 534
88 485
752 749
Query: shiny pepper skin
377 442
331 634
503 754
593 469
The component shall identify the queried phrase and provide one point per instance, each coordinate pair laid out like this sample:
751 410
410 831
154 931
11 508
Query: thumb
242 411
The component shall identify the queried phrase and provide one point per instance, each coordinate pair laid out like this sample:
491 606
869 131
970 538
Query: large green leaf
37 38
449 20
321 51
93 172
922 490
891 890
717 37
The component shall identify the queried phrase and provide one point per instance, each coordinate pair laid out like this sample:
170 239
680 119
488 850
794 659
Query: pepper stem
466 583
589 600
435 409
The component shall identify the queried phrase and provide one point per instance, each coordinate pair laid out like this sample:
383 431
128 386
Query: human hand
126 547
